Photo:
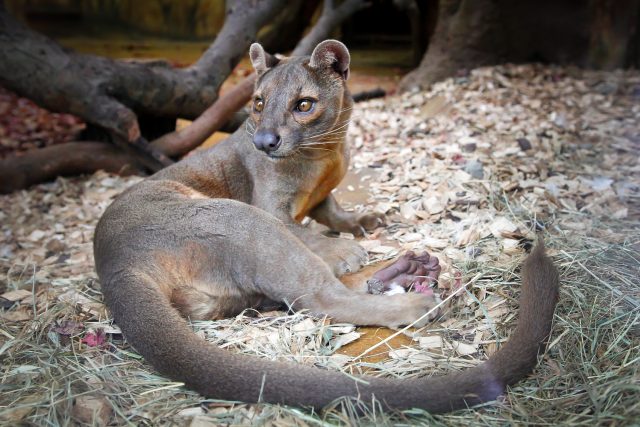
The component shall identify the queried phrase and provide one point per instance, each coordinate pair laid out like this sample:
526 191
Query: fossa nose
267 140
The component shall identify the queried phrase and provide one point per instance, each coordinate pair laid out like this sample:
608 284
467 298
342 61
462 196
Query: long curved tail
157 331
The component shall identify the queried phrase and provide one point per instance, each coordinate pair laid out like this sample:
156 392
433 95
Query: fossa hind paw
410 271
362 223
343 256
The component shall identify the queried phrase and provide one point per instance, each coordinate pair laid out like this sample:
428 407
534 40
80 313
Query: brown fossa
219 232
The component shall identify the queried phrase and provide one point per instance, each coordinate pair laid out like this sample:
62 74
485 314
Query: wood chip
17 295
20 315
306 328
92 410
429 342
464 349
501 225
342 340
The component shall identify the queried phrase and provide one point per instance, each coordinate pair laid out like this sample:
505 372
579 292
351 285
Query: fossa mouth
278 156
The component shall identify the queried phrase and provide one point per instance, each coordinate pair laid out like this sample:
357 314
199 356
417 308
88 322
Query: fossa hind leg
204 304
279 266
343 256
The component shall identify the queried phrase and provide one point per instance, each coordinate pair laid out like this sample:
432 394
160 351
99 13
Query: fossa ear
260 59
331 54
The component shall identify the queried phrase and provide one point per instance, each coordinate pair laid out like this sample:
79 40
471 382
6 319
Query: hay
452 170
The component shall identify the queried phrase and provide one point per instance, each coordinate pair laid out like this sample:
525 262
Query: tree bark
285 31
614 28
411 9
331 17
106 92
72 158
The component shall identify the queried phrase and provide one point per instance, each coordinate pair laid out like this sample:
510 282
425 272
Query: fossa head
300 104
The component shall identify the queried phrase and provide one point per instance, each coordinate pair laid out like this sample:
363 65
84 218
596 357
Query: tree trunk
411 9
473 33
468 34
331 17
108 94
613 34
186 139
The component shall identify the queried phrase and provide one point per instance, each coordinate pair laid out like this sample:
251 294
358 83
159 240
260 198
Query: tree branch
72 158
186 139
331 17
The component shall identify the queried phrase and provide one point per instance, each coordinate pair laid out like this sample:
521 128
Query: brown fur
218 232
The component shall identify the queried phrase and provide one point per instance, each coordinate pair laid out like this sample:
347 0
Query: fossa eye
258 105
304 105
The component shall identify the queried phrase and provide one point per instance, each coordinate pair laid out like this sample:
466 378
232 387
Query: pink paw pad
410 271
421 289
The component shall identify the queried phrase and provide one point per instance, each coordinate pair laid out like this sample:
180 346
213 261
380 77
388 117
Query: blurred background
379 37
390 36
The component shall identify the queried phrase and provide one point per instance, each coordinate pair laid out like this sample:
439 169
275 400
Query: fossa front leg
416 273
331 214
